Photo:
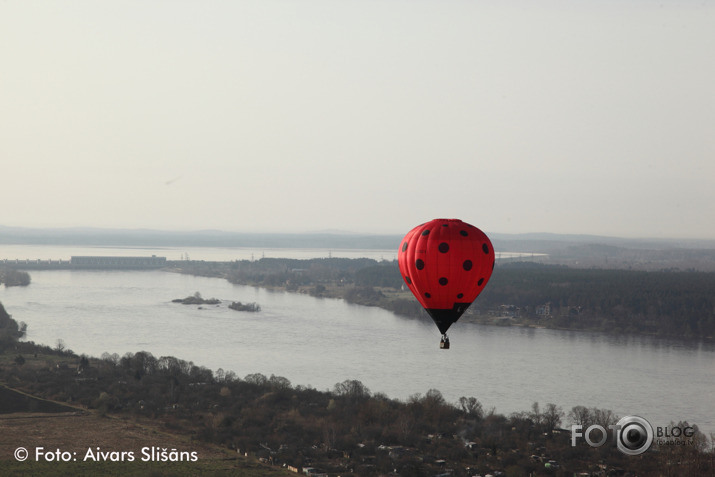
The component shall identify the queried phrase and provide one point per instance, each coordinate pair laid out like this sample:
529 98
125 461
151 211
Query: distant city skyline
368 117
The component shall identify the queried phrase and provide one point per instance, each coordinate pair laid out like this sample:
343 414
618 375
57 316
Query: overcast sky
579 116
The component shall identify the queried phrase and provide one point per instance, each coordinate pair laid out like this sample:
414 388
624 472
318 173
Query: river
12 252
320 342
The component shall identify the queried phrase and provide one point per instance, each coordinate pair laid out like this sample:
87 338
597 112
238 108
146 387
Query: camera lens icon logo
634 435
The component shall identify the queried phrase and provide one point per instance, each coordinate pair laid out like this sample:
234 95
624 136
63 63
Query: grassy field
135 469
12 401
50 431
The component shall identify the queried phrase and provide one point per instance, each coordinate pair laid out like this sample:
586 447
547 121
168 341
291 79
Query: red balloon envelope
446 263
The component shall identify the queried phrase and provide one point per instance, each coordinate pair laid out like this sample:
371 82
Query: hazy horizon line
534 235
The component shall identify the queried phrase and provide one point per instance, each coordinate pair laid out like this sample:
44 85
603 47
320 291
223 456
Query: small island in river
238 306
196 299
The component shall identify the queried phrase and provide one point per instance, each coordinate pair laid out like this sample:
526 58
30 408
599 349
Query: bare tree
603 417
552 416
279 382
580 415
112 358
471 406
256 378
352 388
60 345
535 415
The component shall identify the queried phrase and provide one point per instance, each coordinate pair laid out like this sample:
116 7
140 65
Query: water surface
320 342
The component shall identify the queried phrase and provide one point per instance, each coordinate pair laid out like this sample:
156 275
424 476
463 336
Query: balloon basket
444 342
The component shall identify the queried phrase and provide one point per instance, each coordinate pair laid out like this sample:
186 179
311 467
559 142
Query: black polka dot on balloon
443 281
404 247
493 263
427 295
444 247
467 265
419 264
485 248
460 296
481 280
408 280
425 232
463 233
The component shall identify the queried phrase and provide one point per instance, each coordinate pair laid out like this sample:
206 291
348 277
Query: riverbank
317 342
376 285
263 425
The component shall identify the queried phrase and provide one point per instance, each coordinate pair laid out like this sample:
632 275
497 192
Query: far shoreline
339 293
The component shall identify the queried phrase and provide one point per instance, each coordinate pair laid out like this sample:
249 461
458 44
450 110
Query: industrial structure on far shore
88 263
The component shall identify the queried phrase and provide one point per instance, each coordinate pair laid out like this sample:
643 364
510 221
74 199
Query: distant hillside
538 242
200 238
582 251
591 251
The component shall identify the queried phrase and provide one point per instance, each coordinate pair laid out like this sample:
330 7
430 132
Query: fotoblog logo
633 435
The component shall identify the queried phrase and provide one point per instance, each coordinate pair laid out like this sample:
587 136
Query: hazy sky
579 116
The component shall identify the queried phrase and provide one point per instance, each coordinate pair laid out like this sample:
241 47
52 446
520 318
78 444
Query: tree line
346 430
13 278
665 303
10 330
672 303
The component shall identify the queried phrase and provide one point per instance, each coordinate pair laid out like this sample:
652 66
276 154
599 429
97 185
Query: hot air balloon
446 263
